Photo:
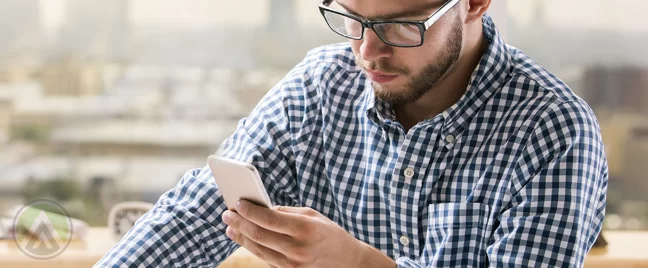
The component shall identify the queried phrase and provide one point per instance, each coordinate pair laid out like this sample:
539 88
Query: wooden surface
86 253
626 249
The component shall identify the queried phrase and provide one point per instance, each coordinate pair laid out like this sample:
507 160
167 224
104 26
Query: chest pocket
456 234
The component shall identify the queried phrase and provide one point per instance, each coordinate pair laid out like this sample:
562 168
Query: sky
621 15
192 14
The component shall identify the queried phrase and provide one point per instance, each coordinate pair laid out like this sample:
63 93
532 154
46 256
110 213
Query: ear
476 9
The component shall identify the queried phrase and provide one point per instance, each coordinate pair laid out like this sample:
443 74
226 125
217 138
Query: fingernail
238 204
226 217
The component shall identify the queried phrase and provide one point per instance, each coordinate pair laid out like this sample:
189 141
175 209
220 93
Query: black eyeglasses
398 33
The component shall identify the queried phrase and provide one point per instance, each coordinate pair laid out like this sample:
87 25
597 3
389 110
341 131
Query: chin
391 94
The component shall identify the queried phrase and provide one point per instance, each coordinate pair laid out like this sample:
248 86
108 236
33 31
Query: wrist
374 258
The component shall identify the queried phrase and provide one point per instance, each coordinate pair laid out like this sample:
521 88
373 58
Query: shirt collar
489 76
491 72
379 112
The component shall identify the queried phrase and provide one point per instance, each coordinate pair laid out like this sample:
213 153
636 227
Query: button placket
409 175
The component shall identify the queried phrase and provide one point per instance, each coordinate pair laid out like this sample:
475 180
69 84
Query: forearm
178 226
374 258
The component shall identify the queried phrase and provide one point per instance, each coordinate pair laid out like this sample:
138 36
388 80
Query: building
140 156
72 77
622 89
6 107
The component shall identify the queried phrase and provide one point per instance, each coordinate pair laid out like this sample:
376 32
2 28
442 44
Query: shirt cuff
407 263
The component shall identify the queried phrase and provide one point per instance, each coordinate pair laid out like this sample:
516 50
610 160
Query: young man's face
403 75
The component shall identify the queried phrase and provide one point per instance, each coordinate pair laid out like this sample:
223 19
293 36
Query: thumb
307 211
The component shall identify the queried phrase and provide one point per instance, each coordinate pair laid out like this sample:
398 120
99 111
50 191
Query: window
120 111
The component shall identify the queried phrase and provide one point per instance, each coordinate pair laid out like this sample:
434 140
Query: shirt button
404 240
409 173
450 139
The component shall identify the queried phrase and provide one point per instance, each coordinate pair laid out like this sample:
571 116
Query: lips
379 77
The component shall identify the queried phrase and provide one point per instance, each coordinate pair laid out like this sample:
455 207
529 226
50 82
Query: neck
450 87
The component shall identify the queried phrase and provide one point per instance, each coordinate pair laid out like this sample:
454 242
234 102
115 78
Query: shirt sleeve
555 209
184 229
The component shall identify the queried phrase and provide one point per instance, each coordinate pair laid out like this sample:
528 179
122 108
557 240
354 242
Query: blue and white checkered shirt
514 174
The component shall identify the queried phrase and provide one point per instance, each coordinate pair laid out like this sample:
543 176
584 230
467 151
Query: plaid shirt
513 174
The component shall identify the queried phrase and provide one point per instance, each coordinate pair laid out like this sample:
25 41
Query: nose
372 48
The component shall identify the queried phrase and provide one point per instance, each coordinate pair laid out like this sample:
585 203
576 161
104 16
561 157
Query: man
424 142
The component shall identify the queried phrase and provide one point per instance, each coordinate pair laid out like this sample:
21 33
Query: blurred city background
108 101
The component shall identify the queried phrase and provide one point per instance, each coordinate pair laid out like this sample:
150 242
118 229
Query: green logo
43 229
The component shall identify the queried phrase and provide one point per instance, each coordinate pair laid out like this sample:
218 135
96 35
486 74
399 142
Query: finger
267 238
306 211
271 219
272 257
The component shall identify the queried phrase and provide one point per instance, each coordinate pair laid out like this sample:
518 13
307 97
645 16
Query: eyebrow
419 11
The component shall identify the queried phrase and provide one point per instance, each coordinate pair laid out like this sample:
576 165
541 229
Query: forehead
378 9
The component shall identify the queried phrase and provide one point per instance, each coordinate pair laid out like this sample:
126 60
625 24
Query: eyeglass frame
423 25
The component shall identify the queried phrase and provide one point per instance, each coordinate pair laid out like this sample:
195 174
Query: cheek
436 37
412 59
429 53
434 42
355 45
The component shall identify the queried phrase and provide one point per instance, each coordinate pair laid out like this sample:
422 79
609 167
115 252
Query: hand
297 237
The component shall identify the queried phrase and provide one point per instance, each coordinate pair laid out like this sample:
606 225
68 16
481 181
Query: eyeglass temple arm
438 14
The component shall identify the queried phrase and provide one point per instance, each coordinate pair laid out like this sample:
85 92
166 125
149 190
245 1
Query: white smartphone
238 180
